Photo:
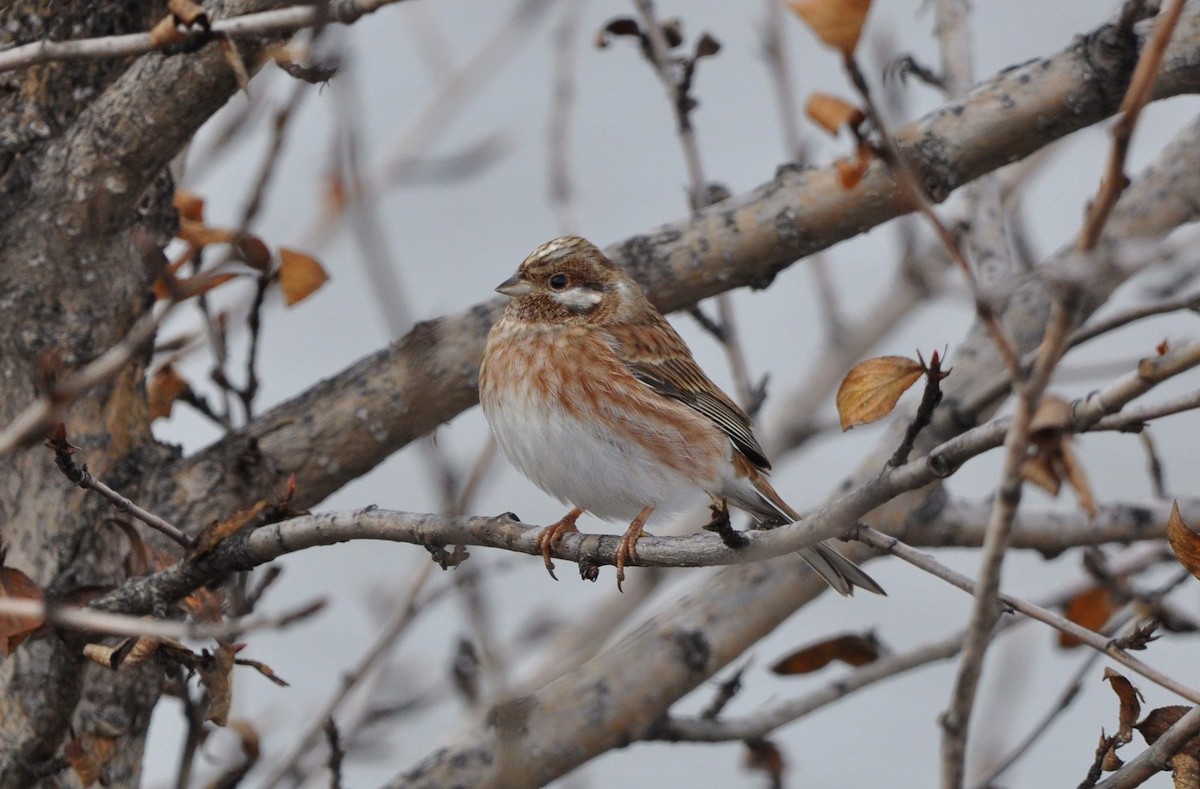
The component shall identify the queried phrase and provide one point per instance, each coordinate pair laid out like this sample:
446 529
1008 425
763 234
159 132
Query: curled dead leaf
1130 698
299 275
831 113
1091 609
216 675
166 385
15 628
765 756
1053 414
88 754
1184 542
871 389
838 23
852 649
212 535
189 205
1157 721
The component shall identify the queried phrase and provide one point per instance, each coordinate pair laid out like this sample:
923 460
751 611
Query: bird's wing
658 357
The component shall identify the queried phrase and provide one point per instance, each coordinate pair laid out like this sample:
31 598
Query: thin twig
1145 74
279 21
79 475
402 616
1150 761
563 195
1092 639
39 416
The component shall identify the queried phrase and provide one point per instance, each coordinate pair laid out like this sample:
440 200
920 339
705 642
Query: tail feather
838 571
766 505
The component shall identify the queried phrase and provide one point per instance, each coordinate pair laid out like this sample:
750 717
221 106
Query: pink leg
553 533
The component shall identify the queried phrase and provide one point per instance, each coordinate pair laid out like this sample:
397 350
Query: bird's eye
558 281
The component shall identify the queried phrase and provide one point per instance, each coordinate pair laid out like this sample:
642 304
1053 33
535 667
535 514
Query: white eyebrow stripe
578 299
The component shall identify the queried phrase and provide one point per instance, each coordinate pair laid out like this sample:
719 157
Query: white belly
586 465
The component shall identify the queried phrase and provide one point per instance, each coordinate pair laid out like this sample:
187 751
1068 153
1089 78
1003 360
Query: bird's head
569 280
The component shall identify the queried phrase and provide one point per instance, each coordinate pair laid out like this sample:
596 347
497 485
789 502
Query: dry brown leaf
852 649
831 113
1184 542
205 605
188 12
1157 721
838 23
109 656
216 676
16 585
1131 705
1072 469
762 754
1090 609
249 738
299 275
198 234
1039 470
851 171
871 389
189 205
165 33
1053 415
88 755
252 251
211 535
166 385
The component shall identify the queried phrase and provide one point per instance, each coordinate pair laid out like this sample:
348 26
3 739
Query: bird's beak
515 286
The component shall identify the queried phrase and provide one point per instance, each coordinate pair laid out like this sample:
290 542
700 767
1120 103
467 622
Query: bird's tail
765 504
838 571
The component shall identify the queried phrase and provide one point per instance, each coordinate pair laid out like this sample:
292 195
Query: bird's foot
627 548
723 526
553 533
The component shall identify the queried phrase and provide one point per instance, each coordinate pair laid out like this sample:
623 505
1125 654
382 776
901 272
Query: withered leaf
871 389
1039 470
1131 706
852 649
1053 414
212 535
216 675
1077 478
1184 542
14 628
299 275
1157 721
762 754
1090 609
831 113
198 234
189 205
166 385
851 171
838 23
205 605
253 252
188 12
88 755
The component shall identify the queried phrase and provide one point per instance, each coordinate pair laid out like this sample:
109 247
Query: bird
593 396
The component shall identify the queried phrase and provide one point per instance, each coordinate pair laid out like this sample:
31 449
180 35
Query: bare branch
264 23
